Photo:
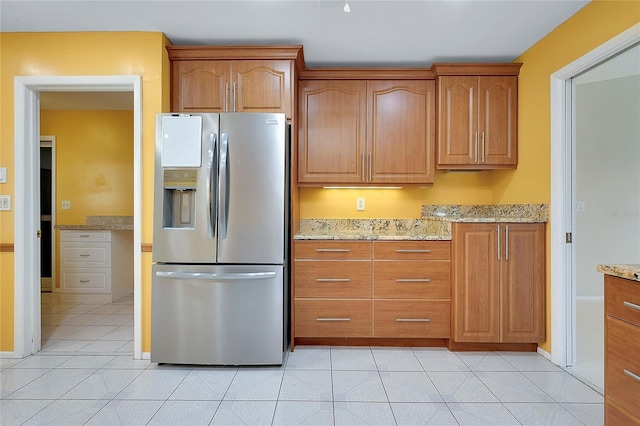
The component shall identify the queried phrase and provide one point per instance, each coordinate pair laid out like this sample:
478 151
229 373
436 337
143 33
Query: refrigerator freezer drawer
217 315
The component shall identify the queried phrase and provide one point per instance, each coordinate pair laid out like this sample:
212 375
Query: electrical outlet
65 205
579 206
3 175
5 202
360 203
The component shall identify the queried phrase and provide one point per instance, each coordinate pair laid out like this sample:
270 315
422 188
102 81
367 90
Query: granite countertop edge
487 219
626 271
113 227
372 236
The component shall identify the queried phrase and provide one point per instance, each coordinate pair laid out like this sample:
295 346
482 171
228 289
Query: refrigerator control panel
180 179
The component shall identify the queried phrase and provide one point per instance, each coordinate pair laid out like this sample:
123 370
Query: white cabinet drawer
86 236
83 255
96 280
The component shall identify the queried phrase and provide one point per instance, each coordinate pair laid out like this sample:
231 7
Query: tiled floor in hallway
86 328
315 386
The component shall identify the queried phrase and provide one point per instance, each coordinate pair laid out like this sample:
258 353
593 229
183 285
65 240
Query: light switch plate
3 175
5 202
579 206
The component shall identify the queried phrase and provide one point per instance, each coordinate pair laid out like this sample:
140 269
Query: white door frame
49 141
26 222
561 209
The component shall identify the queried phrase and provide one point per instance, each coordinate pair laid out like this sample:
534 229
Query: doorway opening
563 201
47 212
27 300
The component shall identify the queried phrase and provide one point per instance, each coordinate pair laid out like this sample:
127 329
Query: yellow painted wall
592 26
405 203
94 164
94 53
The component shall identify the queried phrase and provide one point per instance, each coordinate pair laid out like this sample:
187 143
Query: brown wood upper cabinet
477 117
499 281
363 132
232 79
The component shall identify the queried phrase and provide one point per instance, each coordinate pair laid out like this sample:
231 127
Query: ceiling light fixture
346 9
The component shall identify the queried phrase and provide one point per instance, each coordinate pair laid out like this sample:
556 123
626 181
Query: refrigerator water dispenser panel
180 197
181 141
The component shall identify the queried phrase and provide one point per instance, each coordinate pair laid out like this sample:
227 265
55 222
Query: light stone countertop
627 271
435 222
98 223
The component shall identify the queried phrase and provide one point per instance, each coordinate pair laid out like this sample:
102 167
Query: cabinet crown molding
476 69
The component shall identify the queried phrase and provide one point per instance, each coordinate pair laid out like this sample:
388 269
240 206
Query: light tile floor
589 363
316 385
86 328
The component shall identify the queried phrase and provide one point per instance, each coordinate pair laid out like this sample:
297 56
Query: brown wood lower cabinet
333 318
498 282
411 318
388 290
622 346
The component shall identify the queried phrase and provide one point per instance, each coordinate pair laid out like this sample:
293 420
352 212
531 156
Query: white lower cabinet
96 262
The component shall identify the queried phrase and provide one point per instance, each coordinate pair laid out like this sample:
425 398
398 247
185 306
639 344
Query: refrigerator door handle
213 276
212 164
223 192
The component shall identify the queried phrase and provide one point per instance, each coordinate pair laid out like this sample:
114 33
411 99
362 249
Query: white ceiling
375 33
391 33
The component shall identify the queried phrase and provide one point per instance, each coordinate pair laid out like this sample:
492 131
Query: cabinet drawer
622 369
87 236
333 278
333 250
622 299
614 415
412 279
83 255
333 318
411 318
90 281
411 250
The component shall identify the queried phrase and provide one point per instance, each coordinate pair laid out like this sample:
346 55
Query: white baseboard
590 299
544 353
8 355
146 355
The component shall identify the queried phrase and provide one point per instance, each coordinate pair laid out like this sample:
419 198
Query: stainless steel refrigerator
220 233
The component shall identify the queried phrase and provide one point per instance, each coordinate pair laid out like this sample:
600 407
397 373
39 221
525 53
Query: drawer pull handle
413 280
412 251
84 235
632 305
85 255
413 320
333 319
85 281
333 280
326 250
630 374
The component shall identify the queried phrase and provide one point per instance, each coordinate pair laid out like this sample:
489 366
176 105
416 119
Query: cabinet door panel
262 86
498 120
523 282
409 279
623 346
333 278
400 131
476 301
333 318
332 131
199 86
327 249
411 318
457 120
